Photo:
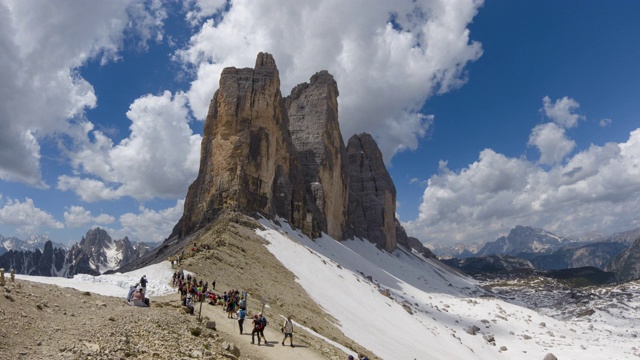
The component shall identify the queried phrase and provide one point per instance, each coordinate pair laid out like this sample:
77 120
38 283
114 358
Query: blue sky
489 115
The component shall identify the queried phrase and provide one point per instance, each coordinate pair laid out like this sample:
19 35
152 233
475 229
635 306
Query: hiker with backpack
257 327
263 323
132 288
287 329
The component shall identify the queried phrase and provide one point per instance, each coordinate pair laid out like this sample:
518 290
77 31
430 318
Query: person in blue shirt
241 315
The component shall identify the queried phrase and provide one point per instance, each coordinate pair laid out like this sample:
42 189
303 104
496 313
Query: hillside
389 305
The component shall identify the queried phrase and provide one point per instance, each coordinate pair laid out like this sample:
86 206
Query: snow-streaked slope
442 304
158 275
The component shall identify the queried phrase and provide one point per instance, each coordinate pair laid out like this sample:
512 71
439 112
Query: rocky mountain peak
313 123
523 239
96 238
262 153
248 162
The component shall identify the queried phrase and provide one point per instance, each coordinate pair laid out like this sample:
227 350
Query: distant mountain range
30 244
95 254
546 251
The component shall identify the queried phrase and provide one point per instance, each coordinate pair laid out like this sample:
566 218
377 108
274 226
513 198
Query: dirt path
273 350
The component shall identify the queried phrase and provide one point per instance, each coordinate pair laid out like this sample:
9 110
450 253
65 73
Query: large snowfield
401 306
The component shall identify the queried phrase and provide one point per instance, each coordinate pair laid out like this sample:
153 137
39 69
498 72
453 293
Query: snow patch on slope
429 306
158 275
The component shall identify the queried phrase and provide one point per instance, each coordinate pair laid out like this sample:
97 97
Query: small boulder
489 338
210 325
550 356
472 330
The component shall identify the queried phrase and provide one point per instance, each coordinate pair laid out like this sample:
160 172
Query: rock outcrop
626 265
248 162
264 154
315 132
372 194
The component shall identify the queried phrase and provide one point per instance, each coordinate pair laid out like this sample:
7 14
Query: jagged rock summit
95 254
523 239
262 153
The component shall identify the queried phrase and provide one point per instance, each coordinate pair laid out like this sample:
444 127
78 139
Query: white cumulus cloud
597 189
26 217
604 122
552 142
149 225
44 43
160 158
77 216
562 111
387 59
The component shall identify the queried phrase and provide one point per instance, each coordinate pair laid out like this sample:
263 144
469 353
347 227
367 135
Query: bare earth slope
40 321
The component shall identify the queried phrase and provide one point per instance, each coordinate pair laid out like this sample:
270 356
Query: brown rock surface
315 131
248 162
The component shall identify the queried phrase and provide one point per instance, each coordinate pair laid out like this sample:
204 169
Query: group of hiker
137 292
233 302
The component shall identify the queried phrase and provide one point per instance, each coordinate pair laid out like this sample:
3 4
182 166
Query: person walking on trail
287 329
241 315
257 327
263 322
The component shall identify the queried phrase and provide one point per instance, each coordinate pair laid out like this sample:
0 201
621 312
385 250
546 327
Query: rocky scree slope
42 321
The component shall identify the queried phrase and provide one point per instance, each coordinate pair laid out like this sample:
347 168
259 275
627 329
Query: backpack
263 321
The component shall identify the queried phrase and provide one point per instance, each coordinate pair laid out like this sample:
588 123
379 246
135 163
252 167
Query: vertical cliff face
313 123
286 157
372 194
248 162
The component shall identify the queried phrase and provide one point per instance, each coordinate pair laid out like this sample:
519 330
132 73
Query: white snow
158 275
442 304
113 258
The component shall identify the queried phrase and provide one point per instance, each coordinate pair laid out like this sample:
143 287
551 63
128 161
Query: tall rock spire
372 194
248 162
315 131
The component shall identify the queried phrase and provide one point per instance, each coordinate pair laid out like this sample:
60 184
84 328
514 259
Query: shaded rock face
412 243
372 194
248 162
489 264
48 262
626 265
313 123
596 254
